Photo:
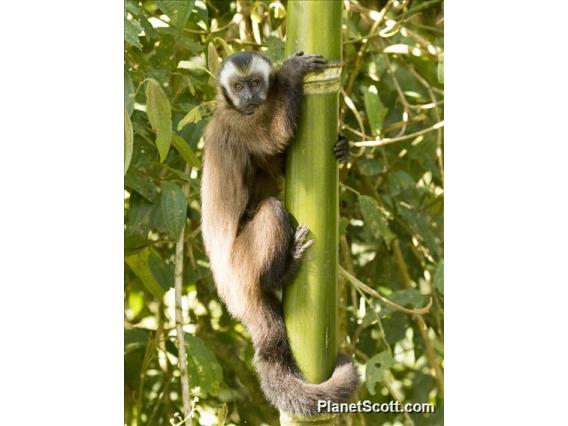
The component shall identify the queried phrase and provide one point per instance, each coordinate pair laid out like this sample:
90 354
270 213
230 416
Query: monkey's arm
286 99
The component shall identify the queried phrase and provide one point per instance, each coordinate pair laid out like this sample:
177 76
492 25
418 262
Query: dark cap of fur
242 60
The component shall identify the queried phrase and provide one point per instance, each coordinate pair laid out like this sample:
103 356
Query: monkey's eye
238 87
254 83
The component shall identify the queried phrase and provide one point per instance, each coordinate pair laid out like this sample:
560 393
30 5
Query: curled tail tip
345 379
291 394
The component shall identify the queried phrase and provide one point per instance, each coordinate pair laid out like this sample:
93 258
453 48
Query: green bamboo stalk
310 302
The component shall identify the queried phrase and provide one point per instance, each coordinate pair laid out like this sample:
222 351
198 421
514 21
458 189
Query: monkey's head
244 79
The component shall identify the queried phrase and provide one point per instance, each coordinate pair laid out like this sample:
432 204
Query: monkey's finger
299 53
340 145
315 58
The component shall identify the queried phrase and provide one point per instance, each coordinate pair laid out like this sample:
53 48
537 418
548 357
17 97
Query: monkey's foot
300 245
341 148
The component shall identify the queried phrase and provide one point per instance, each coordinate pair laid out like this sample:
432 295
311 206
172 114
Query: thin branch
386 141
365 288
353 109
184 377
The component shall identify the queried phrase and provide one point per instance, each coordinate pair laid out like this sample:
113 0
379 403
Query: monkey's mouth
249 108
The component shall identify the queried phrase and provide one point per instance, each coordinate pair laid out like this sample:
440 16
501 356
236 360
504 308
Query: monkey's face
247 93
244 80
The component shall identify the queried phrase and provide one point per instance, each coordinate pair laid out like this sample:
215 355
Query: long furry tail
281 380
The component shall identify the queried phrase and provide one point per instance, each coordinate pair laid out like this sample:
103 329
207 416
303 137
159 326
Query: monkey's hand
341 148
305 63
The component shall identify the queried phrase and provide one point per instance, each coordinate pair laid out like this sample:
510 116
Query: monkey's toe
300 244
299 249
301 233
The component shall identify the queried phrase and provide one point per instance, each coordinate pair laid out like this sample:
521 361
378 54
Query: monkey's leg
341 148
263 245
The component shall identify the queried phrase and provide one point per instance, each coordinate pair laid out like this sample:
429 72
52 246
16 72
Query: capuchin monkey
253 248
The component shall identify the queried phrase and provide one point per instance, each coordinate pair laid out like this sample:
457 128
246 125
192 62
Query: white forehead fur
228 70
259 64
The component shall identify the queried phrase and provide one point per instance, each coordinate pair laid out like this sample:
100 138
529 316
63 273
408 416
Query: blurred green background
391 207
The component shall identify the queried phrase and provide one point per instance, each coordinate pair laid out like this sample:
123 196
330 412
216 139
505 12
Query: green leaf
132 7
196 114
185 151
135 338
131 31
163 272
204 369
183 13
128 140
376 111
186 42
376 368
139 210
213 59
160 116
275 51
439 277
135 335
409 297
138 262
226 47
374 219
174 207
135 302
129 92
178 11
134 242
400 181
193 116
370 166
395 326
440 72
141 183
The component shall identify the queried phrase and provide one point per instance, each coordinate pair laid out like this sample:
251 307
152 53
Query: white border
506 212
61 213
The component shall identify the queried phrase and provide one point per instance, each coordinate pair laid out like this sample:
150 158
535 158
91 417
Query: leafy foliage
391 205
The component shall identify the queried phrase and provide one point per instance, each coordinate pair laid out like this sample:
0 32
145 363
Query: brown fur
248 236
